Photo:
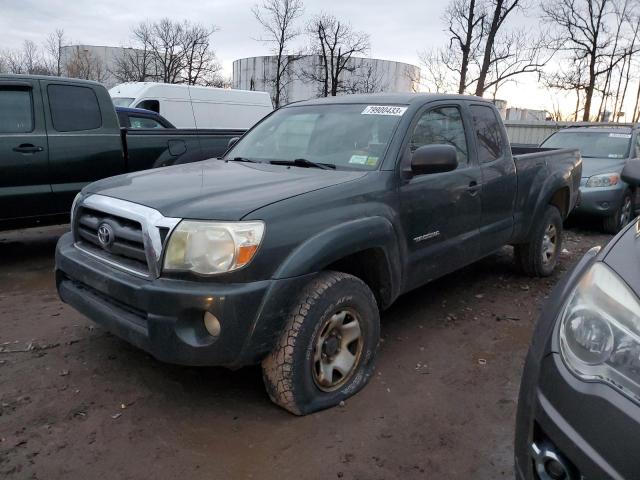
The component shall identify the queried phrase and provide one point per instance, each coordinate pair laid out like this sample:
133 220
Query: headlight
600 331
212 247
603 180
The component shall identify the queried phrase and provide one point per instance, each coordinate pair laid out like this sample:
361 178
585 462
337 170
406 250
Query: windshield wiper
242 159
303 162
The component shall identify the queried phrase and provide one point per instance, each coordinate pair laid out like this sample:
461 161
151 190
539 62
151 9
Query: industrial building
363 75
93 62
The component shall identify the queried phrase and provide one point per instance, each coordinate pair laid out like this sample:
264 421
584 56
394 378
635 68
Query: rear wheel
622 216
539 257
327 349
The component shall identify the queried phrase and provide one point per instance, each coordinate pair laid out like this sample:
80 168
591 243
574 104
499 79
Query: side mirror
631 173
232 142
434 159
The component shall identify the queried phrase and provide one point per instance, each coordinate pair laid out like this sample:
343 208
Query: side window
441 125
73 108
488 133
638 145
16 108
153 105
143 122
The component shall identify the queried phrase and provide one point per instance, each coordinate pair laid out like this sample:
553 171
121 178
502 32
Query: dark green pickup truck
57 135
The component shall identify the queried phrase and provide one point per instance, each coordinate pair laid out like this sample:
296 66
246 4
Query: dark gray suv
579 407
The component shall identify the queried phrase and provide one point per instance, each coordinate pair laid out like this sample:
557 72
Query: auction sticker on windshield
620 135
384 110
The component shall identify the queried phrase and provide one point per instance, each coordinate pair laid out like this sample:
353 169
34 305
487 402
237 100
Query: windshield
122 101
345 136
592 144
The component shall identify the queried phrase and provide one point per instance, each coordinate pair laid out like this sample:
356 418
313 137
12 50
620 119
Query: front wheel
539 257
327 348
621 217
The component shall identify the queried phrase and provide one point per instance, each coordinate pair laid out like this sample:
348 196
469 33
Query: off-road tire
288 370
614 223
529 256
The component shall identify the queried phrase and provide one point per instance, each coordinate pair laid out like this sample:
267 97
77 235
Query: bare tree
200 63
464 19
514 53
169 52
436 72
53 46
483 53
365 78
134 65
582 31
569 80
27 60
335 44
500 11
278 18
620 10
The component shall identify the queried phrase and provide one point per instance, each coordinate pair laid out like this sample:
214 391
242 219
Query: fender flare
552 185
342 240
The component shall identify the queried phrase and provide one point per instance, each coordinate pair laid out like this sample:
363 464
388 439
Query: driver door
441 211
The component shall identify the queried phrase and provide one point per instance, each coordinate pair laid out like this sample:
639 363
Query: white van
188 106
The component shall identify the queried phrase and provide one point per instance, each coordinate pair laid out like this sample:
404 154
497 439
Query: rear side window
73 108
16 110
488 133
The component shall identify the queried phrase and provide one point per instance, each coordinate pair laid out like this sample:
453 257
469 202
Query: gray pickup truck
57 135
285 251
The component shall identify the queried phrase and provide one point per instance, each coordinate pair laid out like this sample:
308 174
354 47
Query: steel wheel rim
549 243
625 214
337 350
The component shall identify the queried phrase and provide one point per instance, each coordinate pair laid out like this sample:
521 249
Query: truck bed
535 166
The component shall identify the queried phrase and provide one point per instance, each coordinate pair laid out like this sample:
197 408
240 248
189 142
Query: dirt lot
78 403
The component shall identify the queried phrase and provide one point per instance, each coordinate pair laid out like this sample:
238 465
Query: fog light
550 464
556 470
212 324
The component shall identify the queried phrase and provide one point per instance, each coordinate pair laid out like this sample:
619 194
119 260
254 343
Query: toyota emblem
105 235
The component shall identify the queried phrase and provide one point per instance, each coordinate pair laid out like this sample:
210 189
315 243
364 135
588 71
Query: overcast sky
398 29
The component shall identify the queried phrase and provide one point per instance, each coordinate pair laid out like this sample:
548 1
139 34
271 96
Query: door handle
473 188
27 148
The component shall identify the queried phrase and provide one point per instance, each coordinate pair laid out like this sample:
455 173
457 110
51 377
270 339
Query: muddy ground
78 403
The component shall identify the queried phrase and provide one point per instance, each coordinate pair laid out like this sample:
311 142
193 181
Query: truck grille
127 244
125 235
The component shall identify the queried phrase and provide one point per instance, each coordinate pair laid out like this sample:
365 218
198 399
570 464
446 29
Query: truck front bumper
165 316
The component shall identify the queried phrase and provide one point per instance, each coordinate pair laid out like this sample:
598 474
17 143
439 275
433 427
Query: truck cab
56 135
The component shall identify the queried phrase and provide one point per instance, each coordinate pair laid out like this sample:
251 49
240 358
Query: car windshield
343 136
122 101
592 144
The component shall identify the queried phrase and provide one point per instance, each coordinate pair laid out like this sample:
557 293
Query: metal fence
533 133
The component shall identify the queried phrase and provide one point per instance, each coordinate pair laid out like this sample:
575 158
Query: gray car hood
217 190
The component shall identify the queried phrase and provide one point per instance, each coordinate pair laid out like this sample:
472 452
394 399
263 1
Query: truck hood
215 189
595 166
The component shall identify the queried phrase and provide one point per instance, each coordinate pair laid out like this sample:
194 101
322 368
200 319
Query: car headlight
212 247
600 331
603 180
